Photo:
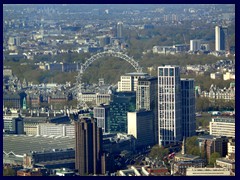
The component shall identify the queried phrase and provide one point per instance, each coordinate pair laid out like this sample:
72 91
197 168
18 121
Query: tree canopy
158 152
213 158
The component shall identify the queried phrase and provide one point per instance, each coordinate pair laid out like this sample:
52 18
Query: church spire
183 146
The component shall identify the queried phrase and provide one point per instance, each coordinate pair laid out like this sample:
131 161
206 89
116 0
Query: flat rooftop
137 74
23 144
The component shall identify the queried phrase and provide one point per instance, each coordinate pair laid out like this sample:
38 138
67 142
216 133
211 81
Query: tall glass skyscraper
169 105
188 107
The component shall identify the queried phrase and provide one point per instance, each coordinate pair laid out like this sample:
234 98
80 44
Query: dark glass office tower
122 103
188 108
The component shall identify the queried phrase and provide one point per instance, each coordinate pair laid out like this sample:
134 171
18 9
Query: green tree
213 158
158 152
202 104
192 146
71 103
8 172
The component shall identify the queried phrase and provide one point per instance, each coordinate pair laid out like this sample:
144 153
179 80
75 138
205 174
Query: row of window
168 71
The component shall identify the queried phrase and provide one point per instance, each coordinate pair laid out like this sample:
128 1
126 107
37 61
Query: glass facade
122 103
169 105
188 107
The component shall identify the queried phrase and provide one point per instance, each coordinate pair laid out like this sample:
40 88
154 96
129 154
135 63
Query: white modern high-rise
188 107
101 113
220 38
195 45
146 99
119 30
169 105
129 81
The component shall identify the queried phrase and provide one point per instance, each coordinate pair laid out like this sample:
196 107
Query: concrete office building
226 163
88 97
129 81
102 99
140 125
146 93
231 148
191 171
102 114
222 126
195 45
13 125
181 166
169 105
188 108
52 129
210 144
88 147
146 99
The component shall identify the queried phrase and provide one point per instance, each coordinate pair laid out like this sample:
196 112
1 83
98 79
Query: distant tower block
195 45
221 38
119 30
101 81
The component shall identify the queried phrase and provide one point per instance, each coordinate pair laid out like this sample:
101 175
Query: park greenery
192 146
139 41
205 104
213 158
8 171
158 152
112 68
203 121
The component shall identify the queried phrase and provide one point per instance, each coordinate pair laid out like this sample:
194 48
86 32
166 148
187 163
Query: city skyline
118 89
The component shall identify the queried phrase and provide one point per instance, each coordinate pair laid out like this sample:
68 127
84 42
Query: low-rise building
211 144
129 81
216 75
180 167
15 146
115 143
222 126
217 93
226 163
191 171
231 148
228 76
185 157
